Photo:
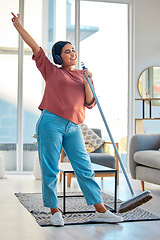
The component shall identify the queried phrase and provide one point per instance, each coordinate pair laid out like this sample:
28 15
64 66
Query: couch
144 158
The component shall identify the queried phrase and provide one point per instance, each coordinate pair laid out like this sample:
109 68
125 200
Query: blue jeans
53 133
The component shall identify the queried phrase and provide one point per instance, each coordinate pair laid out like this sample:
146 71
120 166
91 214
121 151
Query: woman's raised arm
25 36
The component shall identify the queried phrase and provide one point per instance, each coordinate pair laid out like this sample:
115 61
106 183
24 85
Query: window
104 50
8 85
32 83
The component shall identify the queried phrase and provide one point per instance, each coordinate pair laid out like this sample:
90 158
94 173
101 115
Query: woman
66 95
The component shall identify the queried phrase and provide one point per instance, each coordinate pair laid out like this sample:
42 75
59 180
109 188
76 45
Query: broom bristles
135 202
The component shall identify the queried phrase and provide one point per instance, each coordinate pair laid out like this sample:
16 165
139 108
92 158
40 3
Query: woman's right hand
16 20
24 34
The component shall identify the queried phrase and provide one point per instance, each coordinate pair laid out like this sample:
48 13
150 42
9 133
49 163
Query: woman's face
69 56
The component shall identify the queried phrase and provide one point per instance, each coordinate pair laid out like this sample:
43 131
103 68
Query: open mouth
74 58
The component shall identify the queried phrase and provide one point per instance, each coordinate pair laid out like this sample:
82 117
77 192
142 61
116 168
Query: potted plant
2 166
36 166
8 154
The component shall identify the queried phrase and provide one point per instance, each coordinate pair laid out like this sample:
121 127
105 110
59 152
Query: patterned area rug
33 203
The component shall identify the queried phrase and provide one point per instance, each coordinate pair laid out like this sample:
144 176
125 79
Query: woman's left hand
89 98
86 73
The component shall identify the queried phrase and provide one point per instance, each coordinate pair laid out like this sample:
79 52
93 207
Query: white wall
147 42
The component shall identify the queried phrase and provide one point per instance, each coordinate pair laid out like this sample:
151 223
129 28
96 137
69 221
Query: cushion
104 159
92 140
149 158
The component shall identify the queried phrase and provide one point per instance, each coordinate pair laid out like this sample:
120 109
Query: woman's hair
57 50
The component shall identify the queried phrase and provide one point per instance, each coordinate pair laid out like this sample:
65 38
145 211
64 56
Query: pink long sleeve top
64 93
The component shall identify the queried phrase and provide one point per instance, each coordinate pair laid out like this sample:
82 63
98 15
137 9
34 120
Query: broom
141 198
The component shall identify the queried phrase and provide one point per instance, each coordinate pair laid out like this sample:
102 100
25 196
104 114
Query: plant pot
37 169
2 167
28 160
9 157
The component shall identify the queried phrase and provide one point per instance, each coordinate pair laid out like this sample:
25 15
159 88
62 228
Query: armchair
144 158
98 157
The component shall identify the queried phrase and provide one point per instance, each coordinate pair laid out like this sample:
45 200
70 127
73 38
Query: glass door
8 86
104 50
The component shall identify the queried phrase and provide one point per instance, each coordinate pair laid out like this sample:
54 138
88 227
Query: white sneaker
107 217
57 219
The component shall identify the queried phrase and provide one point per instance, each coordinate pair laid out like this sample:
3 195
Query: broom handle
109 132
